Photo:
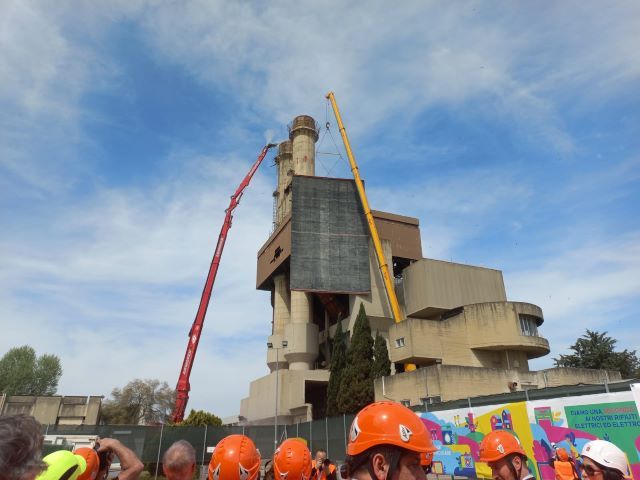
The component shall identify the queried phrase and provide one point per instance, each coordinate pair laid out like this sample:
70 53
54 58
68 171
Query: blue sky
510 129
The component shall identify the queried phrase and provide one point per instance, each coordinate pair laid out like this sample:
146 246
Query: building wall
55 410
452 382
432 287
259 406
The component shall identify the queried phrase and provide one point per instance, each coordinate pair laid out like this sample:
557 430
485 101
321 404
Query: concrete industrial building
54 409
460 331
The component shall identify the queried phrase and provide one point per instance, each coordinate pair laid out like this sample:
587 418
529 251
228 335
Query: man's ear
380 466
517 462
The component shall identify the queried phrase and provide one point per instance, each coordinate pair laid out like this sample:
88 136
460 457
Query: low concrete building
54 410
319 265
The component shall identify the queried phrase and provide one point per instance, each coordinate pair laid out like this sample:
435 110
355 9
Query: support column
301 333
283 160
281 304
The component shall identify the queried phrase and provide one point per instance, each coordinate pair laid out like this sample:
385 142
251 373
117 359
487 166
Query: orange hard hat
563 455
93 462
498 444
235 458
426 458
292 460
388 423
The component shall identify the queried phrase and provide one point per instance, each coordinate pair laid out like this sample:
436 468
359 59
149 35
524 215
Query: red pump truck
183 387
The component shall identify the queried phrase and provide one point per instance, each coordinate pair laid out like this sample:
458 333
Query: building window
431 400
528 325
406 403
399 342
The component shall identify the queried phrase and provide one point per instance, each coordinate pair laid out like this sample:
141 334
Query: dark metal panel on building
329 237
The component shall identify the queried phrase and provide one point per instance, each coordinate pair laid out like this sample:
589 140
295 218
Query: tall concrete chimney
304 135
283 160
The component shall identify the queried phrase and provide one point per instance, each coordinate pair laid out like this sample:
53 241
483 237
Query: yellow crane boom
384 268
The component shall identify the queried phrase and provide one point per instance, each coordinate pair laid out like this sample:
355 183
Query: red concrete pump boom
183 387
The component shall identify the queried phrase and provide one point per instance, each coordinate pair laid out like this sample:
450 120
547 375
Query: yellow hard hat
63 465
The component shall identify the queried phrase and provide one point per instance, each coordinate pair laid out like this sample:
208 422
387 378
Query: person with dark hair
323 468
505 456
20 448
602 460
179 461
386 441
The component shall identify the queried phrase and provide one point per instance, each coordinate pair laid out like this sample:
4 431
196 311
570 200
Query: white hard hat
606 454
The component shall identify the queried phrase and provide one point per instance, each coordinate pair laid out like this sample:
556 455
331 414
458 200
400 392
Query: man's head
20 448
179 461
234 458
504 454
292 460
603 460
386 441
320 457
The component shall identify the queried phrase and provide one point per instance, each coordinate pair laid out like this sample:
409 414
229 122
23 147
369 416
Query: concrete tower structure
319 266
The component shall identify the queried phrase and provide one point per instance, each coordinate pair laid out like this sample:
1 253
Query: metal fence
150 442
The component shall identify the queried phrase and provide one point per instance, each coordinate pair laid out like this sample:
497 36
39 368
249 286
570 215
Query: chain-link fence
150 442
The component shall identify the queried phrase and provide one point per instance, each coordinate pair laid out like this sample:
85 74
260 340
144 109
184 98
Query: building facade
55 409
460 330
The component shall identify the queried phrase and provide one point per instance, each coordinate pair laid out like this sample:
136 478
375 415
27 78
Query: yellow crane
384 268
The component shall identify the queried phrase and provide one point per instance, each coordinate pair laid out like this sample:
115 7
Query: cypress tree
336 367
356 384
381 363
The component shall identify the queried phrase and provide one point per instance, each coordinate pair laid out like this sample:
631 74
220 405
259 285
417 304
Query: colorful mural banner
541 426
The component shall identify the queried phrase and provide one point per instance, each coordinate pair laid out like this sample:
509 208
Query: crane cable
326 130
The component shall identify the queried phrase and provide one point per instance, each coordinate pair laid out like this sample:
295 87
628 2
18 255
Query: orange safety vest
564 470
321 475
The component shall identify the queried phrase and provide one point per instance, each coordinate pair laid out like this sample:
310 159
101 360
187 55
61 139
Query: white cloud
119 278
116 274
579 287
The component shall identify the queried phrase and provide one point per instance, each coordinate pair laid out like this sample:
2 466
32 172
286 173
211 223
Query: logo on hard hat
500 448
355 430
405 433
216 473
244 473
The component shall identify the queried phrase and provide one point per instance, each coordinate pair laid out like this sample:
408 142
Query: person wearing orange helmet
235 458
426 461
387 441
292 460
505 456
563 465
93 462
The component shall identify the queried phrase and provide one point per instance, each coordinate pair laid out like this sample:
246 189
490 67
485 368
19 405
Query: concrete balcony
507 326
486 326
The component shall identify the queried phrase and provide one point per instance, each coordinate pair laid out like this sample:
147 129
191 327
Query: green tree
200 418
356 383
336 367
596 350
140 402
23 373
381 363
